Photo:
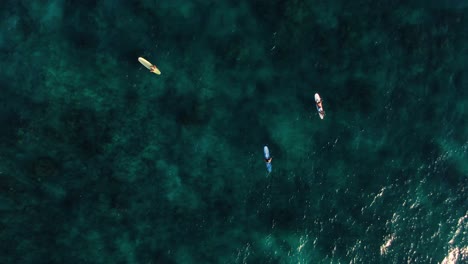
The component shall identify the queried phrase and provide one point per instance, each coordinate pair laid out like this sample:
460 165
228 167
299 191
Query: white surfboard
318 99
266 153
149 65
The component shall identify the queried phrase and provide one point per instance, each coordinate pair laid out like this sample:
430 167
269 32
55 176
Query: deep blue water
102 161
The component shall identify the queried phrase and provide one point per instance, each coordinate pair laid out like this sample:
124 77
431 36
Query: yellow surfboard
149 66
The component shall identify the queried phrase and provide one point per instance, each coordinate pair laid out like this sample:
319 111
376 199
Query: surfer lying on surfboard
266 152
154 69
318 104
320 107
149 66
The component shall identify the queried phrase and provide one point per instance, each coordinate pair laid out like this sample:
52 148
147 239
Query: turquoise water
105 162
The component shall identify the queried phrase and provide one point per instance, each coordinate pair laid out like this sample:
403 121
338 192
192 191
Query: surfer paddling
153 69
268 158
149 66
319 106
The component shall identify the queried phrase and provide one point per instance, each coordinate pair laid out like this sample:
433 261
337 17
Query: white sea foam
377 196
457 254
387 243
460 225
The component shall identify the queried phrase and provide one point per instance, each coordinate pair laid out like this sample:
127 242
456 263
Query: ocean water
102 161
